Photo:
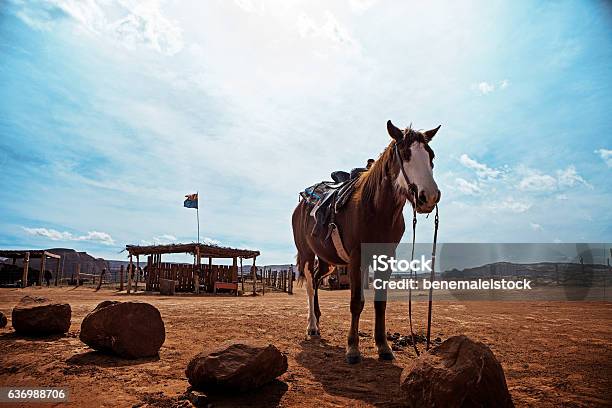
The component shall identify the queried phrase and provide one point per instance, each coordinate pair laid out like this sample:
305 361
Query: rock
197 398
3 320
38 316
237 367
457 373
128 329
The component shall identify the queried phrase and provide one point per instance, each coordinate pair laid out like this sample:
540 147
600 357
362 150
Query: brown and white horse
373 215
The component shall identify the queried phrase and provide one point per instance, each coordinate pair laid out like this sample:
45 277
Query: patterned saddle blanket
326 199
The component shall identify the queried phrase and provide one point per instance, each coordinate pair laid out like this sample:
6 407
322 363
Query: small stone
197 398
3 320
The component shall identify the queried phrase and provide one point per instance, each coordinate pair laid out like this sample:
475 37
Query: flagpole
198 214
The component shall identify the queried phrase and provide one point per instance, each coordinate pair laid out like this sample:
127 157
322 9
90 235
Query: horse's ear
394 132
431 133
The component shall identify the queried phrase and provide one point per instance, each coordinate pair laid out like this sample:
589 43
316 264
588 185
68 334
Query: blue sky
112 110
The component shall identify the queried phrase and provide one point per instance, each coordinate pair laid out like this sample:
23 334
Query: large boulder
237 367
457 373
38 316
128 329
3 320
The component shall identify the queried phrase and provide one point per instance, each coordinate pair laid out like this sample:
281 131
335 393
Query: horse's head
415 181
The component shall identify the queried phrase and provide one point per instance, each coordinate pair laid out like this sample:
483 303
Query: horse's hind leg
323 270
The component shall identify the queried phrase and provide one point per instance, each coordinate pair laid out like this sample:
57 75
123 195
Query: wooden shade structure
188 277
26 255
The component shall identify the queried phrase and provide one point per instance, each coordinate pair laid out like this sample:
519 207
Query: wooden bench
225 285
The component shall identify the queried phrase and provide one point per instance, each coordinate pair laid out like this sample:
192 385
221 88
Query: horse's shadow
371 381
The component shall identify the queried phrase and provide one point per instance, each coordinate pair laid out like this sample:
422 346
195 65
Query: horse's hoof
353 358
386 356
314 334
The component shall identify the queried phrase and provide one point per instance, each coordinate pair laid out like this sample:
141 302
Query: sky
112 110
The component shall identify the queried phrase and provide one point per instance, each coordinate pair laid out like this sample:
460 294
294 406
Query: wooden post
121 279
43 258
57 269
129 276
149 269
241 276
78 279
263 281
137 271
26 268
210 271
196 275
291 280
254 272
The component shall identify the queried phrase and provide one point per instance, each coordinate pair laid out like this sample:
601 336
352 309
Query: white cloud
538 182
359 6
210 241
160 240
485 88
569 177
510 204
146 25
535 226
482 170
330 30
132 23
467 187
54 235
606 156
251 6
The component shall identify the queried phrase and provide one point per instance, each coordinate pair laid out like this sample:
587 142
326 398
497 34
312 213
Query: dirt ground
553 353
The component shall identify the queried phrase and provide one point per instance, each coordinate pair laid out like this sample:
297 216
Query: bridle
413 199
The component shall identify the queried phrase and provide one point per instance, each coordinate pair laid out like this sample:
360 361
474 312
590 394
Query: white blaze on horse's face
419 170
420 173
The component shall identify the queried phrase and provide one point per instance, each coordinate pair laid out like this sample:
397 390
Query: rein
413 200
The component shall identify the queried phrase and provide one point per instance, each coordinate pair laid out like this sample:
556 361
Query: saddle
326 199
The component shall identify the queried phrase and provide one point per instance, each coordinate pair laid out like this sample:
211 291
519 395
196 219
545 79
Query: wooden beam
241 276
78 278
26 267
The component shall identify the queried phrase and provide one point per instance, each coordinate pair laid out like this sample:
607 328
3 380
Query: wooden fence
280 280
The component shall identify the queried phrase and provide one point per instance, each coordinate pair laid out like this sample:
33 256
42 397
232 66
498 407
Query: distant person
342 176
48 277
358 170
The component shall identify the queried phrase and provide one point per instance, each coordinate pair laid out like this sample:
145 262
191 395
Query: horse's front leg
380 332
353 355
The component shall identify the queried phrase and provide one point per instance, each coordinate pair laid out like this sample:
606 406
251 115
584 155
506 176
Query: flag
191 201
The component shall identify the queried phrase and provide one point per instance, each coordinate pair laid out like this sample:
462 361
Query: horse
373 214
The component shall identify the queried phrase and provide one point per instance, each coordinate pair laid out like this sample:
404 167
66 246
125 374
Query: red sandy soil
553 353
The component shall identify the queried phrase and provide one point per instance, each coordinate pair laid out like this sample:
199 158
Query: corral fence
278 280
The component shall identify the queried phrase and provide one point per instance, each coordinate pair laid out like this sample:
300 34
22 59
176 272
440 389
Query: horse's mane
370 181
